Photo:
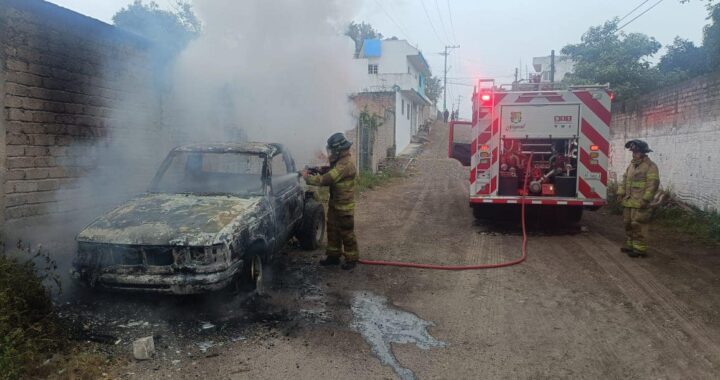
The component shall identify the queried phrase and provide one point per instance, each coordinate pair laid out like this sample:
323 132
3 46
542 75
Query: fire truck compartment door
540 121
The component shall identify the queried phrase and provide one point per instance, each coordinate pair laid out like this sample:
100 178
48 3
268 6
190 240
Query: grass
700 225
368 180
33 343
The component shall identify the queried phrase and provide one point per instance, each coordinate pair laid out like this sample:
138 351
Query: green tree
433 88
605 55
711 37
361 32
171 31
683 60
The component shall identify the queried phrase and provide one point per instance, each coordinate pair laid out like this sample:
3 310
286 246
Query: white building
563 65
398 67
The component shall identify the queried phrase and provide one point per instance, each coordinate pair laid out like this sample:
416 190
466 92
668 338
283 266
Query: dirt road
577 308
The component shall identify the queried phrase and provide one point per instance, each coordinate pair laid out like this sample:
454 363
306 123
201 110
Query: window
281 180
211 173
402 108
372 69
408 112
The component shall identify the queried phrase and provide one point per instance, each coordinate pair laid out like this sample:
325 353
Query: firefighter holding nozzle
637 190
340 178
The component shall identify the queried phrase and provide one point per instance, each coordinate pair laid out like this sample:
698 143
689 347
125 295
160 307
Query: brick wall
75 94
383 105
682 126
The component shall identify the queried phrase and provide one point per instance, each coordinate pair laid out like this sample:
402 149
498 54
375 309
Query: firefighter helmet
638 146
338 142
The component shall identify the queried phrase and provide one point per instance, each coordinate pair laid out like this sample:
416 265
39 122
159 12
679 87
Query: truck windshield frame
212 173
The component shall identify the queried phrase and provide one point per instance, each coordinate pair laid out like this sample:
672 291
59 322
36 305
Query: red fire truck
540 147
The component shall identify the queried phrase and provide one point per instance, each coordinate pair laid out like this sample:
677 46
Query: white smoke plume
280 71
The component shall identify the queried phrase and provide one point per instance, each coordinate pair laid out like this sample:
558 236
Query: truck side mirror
459 140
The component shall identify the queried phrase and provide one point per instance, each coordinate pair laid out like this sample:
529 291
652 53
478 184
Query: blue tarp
371 48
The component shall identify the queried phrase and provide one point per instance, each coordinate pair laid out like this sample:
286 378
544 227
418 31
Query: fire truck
540 147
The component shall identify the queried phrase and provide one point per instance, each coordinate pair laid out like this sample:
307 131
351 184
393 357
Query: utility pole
552 66
445 75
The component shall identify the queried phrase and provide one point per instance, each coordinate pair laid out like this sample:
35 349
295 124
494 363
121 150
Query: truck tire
312 229
251 276
571 214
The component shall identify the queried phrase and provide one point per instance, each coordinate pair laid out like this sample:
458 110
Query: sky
495 36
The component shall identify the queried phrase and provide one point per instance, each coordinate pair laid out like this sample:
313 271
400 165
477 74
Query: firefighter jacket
639 184
341 180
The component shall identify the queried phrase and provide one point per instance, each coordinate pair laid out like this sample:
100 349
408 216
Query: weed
368 180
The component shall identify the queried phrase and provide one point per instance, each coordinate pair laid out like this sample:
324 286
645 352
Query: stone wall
76 95
682 126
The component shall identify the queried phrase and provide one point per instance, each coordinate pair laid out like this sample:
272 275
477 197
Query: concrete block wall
682 126
74 93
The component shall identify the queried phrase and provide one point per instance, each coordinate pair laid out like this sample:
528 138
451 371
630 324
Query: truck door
286 196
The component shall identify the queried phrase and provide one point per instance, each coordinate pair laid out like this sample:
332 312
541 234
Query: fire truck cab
538 147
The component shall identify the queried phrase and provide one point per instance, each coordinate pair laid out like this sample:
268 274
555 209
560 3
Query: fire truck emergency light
485 97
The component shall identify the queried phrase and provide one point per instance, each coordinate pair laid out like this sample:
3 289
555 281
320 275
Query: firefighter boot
330 260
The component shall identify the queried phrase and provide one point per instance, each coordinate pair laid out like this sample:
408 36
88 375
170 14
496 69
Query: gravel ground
577 308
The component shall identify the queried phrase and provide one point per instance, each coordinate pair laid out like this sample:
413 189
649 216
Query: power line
633 11
638 16
442 23
452 25
430 21
402 30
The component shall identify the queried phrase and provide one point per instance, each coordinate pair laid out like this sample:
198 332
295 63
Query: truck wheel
485 212
572 214
312 230
251 276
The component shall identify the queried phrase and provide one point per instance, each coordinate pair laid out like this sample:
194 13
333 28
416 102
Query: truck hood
173 219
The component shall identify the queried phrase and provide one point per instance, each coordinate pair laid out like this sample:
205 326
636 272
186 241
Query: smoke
276 71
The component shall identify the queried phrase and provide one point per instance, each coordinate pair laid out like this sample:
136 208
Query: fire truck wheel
573 214
483 212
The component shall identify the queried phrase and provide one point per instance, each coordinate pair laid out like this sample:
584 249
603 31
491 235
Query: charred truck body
213 215
556 139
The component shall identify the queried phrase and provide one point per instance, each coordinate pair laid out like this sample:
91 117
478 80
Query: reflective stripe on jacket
640 183
341 180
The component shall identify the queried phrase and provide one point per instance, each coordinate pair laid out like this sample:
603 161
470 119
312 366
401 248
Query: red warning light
612 95
594 147
485 97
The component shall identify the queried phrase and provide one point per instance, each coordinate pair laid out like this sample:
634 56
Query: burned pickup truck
213 215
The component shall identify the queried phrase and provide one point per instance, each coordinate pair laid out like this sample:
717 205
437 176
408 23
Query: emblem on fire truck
516 120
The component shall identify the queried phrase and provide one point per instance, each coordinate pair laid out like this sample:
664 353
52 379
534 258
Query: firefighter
341 207
639 185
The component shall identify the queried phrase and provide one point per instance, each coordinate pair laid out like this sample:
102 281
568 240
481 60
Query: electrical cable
442 22
402 30
519 260
638 16
427 14
452 24
632 11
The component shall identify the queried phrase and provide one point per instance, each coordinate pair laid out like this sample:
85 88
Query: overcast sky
495 36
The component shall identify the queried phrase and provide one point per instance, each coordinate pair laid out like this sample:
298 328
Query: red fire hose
470 267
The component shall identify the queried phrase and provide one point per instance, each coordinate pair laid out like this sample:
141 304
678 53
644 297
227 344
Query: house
563 65
391 90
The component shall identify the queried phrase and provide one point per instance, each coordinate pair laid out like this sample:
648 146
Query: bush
28 327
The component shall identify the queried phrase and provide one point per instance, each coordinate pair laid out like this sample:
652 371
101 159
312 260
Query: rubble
144 348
